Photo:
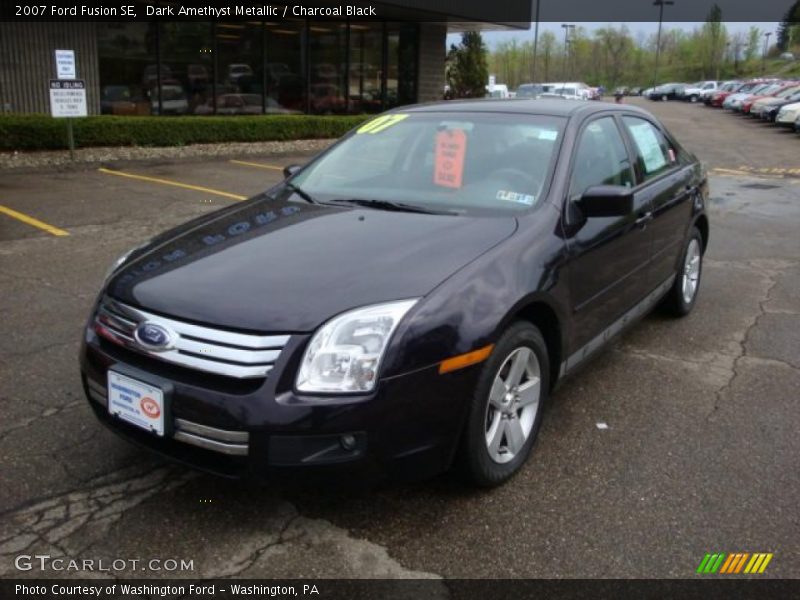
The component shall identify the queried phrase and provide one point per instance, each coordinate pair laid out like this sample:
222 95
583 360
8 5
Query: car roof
557 108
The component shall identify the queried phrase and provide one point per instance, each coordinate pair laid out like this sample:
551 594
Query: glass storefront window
284 70
364 87
255 67
240 71
186 68
328 67
127 62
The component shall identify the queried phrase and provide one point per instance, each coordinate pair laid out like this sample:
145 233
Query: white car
788 114
498 90
694 91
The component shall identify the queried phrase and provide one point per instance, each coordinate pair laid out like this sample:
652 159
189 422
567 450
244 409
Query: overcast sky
646 28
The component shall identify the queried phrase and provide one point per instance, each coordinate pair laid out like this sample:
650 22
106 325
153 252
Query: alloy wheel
691 271
513 403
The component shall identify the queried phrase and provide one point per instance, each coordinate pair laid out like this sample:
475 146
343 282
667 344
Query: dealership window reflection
284 70
186 68
127 64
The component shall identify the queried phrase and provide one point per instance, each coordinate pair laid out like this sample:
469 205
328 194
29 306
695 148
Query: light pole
535 42
764 55
660 4
568 72
566 27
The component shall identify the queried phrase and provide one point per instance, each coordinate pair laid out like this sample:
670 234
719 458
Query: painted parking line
32 221
257 165
187 186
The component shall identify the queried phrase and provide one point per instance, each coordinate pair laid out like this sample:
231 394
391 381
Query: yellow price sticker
381 123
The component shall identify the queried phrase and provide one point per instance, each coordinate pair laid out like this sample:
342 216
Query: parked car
734 101
240 75
668 91
694 91
121 100
636 91
711 97
530 90
243 104
761 105
773 92
718 98
788 115
398 309
770 111
499 90
173 100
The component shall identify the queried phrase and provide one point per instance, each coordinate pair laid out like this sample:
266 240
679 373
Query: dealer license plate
136 402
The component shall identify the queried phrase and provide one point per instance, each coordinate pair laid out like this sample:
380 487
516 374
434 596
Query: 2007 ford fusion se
406 301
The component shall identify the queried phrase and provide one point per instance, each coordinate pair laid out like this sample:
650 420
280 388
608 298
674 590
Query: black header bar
503 14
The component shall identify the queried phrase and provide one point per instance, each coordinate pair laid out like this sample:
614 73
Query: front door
609 256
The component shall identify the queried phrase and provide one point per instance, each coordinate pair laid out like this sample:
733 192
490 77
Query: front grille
239 355
224 441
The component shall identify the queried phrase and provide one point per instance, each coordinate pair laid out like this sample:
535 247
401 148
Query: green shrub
42 132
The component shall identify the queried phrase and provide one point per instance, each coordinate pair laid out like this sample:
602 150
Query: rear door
609 256
663 181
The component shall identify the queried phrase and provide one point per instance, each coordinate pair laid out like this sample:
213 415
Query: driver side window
601 159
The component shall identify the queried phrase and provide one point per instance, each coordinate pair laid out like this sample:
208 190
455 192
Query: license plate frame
139 400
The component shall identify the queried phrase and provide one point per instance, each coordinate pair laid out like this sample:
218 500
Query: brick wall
432 50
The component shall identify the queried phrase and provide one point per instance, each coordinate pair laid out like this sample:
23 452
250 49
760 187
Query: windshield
478 163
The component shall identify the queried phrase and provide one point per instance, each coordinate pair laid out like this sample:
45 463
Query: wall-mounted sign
68 98
65 64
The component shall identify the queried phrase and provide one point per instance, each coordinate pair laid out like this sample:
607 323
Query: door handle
644 219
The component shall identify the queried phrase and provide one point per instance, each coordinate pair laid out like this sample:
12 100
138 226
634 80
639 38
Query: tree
789 29
616 45
547 41
714 38
753 41
468 71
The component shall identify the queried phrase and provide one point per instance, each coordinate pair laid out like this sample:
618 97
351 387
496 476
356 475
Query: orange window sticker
448 167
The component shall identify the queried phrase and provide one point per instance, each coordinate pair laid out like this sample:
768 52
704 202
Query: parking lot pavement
700 454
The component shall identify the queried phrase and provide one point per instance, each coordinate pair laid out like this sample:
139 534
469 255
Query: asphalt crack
73 520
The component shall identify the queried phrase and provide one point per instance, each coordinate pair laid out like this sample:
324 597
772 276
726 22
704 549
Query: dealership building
245 65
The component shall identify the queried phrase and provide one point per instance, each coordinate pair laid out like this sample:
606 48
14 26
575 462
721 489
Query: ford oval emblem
152 336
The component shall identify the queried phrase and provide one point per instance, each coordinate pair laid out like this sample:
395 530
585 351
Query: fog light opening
348 442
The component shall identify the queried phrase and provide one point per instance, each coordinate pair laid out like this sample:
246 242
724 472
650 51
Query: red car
748 104
719 97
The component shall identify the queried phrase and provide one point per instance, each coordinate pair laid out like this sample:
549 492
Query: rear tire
682 296
506 409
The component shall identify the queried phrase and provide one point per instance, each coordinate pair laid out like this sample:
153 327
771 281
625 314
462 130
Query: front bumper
408 428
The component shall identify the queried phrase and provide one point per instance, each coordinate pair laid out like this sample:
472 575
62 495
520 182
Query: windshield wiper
300 192
389 205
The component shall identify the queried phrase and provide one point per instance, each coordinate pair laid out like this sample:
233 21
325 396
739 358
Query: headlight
345 354
121 261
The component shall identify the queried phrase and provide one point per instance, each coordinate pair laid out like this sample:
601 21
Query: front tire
506 409
682 296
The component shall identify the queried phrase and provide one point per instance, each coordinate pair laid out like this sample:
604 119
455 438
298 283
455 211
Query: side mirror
606 201
290 170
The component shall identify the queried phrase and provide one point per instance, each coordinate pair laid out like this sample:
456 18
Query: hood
277 266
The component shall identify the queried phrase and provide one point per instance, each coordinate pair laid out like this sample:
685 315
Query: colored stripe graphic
711 563
734 563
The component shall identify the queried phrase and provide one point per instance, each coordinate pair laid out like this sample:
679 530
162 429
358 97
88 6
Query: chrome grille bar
239 355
